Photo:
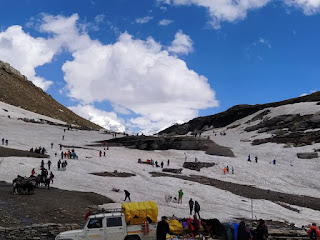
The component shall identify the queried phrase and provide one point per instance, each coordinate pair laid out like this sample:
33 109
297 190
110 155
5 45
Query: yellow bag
138 212
175 226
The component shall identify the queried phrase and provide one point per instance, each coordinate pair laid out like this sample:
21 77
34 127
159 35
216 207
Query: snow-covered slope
290 174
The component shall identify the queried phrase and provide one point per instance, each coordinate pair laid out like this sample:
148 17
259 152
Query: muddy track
250 191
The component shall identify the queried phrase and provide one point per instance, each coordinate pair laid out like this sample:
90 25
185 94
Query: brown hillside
16 90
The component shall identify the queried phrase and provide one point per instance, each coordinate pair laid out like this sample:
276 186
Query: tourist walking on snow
249 159
191 203
180 194
127 195
256 159
33 172
51 145
2 141
51 177
100 153
59 164
7 142
49 164
168 162
161 164
197 208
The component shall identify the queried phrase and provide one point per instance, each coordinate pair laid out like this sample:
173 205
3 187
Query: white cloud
182 44
222 10
99 18
234 10
144 20
265 42
25 53
165 22
108 120
309 7
139 77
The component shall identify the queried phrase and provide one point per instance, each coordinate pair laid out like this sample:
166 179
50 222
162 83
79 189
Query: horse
23 185
43 180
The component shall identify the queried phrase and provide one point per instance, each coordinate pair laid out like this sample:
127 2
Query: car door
95 229
115 229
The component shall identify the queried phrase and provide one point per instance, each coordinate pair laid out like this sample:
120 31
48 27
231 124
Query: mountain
17 90
289 126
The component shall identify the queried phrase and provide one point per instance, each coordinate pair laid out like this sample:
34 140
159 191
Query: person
55 154
100 153
191 203
243 232
180 194
313 232
59 164
42 164
196 225
49 164
227 168
127 195
168 162
51 145
65 165
88 213
7 142
51 177
197 208
261 231
33 172
224 170
185 157
104 153
62 137
274 162
2 141
162 229
249 160
161 164
232 170
256 159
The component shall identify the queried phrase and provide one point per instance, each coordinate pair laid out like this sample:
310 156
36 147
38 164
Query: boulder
308 155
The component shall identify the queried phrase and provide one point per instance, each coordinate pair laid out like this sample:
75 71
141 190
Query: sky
148 64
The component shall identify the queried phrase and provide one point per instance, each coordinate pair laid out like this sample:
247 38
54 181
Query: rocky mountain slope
290 127
16 90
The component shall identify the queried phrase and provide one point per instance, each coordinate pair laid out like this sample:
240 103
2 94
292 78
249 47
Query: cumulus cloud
108 120
234 10
25 53
165 22
222 10
182 44
144 20
139 77
309 7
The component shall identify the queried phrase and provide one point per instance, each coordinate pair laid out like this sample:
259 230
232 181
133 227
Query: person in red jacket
314 232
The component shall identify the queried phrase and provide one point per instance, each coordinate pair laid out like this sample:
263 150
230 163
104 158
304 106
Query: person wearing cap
162 229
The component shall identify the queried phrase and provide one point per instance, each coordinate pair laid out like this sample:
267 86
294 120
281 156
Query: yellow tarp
175 226
138 212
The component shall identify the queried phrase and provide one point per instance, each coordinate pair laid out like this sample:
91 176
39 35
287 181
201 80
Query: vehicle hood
72 233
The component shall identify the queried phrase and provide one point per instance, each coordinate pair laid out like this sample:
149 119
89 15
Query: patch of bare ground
10 152
114 174
45 206
251 192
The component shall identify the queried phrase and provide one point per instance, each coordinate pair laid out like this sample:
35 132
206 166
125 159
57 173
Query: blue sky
150 63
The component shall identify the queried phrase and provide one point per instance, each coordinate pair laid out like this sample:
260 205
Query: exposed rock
235 113
172 170
308 155
165 143
197 165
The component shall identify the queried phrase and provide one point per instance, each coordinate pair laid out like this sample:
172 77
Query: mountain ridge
17 90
